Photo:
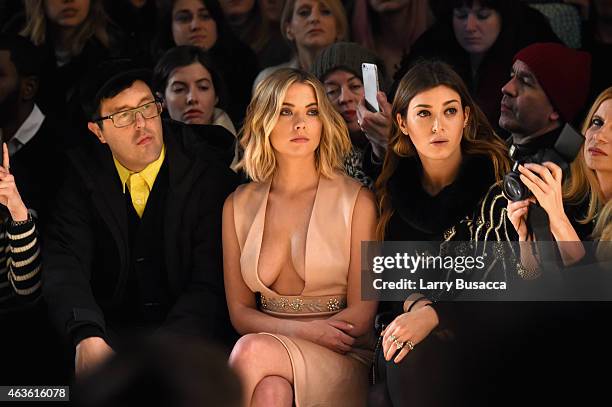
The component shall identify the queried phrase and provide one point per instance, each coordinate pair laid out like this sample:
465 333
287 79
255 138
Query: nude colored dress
322 377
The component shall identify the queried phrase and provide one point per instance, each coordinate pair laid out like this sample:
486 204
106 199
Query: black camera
565 149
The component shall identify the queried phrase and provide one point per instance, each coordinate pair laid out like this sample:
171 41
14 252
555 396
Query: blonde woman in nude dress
292 253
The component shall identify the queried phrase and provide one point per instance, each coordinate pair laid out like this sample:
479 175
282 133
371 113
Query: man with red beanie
549 86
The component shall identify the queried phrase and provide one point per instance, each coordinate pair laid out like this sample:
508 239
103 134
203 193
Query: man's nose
139 119
510 87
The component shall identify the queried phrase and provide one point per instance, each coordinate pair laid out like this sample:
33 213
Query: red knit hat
564 74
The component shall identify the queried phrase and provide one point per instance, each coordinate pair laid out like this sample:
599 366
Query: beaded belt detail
304 305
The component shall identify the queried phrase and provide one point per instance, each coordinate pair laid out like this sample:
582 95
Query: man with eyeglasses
134 246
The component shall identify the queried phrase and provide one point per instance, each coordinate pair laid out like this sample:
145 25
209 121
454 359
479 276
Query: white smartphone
370 86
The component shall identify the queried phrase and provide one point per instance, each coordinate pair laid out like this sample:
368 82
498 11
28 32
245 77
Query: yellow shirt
140 183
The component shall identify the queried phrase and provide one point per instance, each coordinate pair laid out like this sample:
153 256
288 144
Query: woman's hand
411 326
517 213
9 195
544 182
332 334
376 126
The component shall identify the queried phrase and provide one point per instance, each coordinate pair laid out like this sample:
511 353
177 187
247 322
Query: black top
420 216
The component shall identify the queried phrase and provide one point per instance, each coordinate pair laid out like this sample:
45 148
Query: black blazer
87 258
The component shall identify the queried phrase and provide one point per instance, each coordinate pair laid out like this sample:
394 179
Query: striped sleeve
23 259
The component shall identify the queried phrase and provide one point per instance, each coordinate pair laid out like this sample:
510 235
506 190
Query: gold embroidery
303 305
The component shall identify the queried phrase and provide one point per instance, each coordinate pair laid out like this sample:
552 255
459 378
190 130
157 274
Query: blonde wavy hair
478 137
336 8
95 24
259 161
583 185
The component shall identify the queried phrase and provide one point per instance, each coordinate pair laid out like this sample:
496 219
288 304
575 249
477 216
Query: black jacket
87 257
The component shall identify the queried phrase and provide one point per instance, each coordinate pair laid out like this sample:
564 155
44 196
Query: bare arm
359 313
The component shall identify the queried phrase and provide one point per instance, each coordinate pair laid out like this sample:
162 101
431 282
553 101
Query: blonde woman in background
292 249
76 37
309 26
592 171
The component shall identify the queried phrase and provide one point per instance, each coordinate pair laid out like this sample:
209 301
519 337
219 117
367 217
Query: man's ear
97 131
160 97
29 88
554 116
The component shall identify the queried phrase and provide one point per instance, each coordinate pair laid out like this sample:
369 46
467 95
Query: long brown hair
479 138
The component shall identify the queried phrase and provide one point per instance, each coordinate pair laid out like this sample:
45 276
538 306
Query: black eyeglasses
126 117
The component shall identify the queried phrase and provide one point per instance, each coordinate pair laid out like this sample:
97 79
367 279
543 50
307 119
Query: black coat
87 257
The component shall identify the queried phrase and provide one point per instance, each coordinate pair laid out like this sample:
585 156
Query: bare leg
256 357
273 391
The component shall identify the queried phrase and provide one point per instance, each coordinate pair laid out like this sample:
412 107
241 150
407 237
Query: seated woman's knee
251 348
272 389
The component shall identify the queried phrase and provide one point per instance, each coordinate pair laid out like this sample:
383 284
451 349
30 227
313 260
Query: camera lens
514 188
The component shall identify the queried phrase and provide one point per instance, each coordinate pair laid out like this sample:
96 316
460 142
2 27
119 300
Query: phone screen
370 86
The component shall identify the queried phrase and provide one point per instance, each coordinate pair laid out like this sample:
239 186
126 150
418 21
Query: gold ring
398 344
392 338
410 344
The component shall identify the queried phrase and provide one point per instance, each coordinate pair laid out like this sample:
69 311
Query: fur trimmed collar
434 214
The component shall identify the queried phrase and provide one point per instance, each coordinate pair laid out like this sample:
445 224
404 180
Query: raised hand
376 126
517 213
9 194
544 182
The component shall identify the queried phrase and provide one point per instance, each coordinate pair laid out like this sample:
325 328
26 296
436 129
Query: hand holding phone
370 86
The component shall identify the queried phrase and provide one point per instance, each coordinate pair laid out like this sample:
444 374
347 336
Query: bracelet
415 301
22 222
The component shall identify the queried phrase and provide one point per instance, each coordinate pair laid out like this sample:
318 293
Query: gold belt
303 305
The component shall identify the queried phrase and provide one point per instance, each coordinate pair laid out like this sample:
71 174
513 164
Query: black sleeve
201 309
67 263
371 165
219 139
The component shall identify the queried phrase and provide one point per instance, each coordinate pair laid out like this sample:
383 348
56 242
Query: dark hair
443 9
185 55
164 40
510 11
478 138
26 57
108 79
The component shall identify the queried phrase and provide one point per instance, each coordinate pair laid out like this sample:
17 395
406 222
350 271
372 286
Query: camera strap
538 227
